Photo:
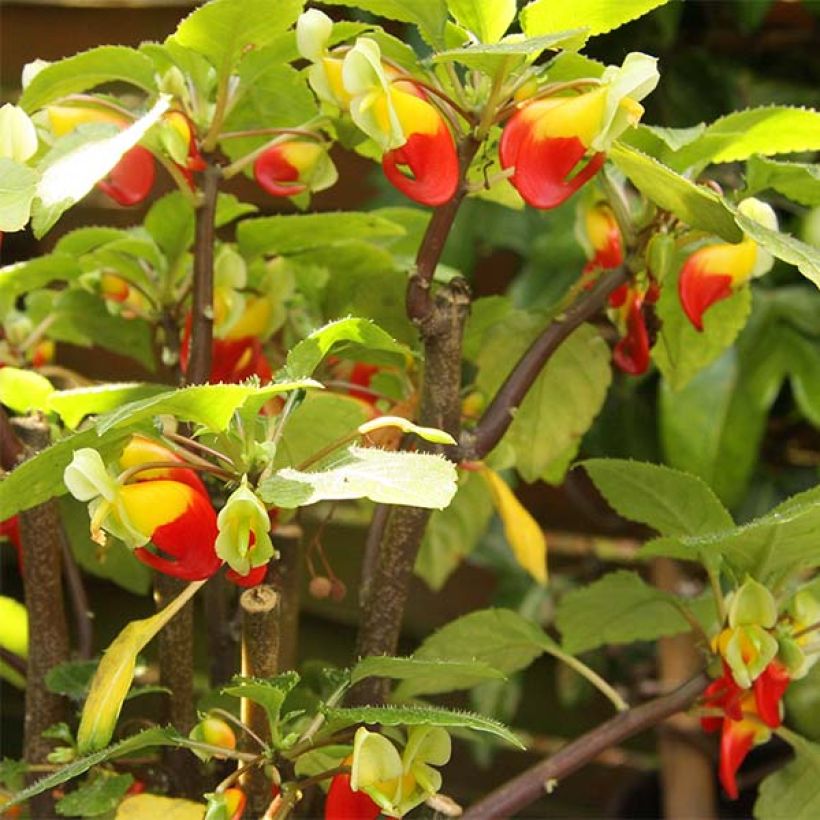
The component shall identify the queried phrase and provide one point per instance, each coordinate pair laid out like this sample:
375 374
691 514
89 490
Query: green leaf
669 501
344 336
18 187
487 19
412 479
453 533
41 478
170 220
792 792
74 405
229 209
564 399
116 563
35 273
210 405
115 673
739 135
97 797
24 390
223 29
714 425
681 351
598 16
425 677
291 233
619 608
71 678
429 15
422 716
79 161
86 70
799 181
143 740
269 693
784 246
697 206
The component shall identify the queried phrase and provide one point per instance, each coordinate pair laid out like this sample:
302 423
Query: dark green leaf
71 678
99 796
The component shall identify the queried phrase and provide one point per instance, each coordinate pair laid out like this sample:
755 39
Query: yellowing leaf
13 636
141 806
523 533
113 677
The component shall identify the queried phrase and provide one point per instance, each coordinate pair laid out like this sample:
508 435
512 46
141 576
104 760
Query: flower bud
753 604
215 732
18 137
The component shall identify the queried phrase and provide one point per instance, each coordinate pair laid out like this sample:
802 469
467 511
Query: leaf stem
591 675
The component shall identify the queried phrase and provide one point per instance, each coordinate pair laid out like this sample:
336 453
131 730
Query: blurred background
715 56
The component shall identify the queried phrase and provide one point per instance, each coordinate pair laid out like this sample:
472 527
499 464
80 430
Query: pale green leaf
223 29
35 273
681 351
18 187
739 135
74 405
13 637
494 57
86 70
95 797
669 501
170 221
697 206
342 336
619 608
784 246
412 479
431 434
24 390
799 181
421 676
562 402
292 233
229 209
269 693
792 793
421 716
599 16
150 738
429 15
487 19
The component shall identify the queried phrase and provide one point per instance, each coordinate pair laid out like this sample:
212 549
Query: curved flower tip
426 167
293 167
769 689
343 803
601 235
736 742
631 353
711 273
132 178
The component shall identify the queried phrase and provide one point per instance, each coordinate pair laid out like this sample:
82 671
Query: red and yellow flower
601 238
293 167
554 145
165 516
715 271
629 304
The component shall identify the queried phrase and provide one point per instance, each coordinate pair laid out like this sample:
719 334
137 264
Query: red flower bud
132 178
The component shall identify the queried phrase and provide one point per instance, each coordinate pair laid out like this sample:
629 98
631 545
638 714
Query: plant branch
79 600
519 792
498 416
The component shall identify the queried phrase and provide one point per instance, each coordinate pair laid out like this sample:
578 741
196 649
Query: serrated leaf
24 390
453 533
143 806
222 29
420 676
115 673
799 181
86 70
680 350
487 19
619 608
143 740
784 246
341 336
697 206
100 796
18 187
562 402
269 693
210 405
713 426
229 208
74 405
599 16
422 716
412 479
69 178
292 233
669 501
739 135
35 273
791 792
429 15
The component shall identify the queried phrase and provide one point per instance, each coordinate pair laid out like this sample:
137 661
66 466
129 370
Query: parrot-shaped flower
629 303
600 236
293 167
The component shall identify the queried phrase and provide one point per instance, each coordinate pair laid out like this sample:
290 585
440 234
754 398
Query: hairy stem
499 414
519 792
